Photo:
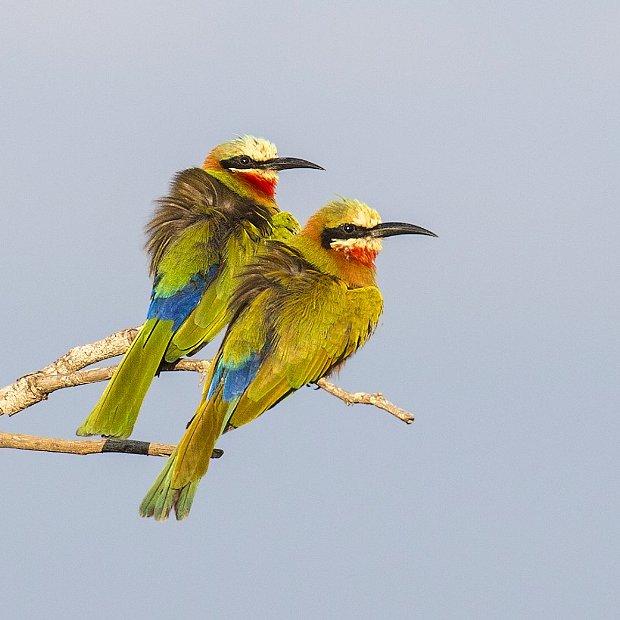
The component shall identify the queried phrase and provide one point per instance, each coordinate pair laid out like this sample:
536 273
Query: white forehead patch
258 149
366 217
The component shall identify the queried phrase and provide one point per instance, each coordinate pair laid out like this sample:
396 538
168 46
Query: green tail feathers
162 498
117 410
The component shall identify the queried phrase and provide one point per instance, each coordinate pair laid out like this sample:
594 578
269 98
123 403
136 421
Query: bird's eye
348 228
244 160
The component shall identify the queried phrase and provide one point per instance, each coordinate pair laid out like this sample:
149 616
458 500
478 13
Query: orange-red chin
260 183
365 256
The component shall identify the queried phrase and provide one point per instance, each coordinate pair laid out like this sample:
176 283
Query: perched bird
302 308
209 226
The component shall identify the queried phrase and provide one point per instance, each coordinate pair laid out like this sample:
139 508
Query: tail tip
160 502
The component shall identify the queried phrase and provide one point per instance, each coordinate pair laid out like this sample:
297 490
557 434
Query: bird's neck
255 187
355 273
259 183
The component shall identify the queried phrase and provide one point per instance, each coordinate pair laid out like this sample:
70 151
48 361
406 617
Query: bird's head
351 230
251 165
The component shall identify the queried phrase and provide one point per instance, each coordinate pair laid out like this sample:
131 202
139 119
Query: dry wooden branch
364 398
68 371
89 446
27 391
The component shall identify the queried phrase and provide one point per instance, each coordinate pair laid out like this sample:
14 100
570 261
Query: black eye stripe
241 162
349 231
344 231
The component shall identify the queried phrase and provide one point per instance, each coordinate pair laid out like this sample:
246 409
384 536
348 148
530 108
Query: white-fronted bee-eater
301 309
207 228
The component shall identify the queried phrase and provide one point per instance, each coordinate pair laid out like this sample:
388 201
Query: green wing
318 324
212 312
291 325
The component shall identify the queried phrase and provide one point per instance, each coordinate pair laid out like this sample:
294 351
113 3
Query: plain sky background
494 124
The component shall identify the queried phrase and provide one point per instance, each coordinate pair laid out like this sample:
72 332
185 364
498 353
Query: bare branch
364 398
87 354
89 446
67 371
26 391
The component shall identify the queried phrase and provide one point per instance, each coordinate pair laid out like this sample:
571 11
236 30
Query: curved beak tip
313 166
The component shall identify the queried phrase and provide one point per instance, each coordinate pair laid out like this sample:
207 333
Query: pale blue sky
496 125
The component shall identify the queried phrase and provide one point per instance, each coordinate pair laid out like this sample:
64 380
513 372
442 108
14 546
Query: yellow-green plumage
301 309
137 368
211 224
212 314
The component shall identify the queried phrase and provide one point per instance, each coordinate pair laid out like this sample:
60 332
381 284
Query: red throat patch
363 255
260 183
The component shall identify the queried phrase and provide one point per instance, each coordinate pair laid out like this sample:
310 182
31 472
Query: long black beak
389 229
285 163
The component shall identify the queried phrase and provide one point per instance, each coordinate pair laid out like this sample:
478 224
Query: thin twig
89 446
364 398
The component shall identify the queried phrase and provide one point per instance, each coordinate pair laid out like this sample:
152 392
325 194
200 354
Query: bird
302 307
210 224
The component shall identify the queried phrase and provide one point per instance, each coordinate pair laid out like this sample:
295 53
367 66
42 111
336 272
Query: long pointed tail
117 410
162 498
177 483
